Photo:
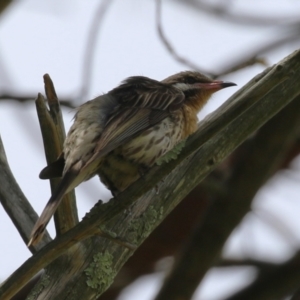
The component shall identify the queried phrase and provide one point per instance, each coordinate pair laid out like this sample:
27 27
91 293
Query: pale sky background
39 37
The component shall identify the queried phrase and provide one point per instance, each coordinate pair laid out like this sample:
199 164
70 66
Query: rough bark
85 271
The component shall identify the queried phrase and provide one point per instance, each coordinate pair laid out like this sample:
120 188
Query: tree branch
138 210
262 156
223 12
4 4
259 264
233 66
15 203
255 56
53 133
91 47
276 284
21 98
170 48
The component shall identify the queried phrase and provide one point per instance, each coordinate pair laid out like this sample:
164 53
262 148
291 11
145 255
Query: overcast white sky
39 37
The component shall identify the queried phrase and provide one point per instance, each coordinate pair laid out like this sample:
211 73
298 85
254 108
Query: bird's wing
139 108
144 92
139 111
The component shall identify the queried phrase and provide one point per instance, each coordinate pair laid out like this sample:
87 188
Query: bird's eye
190 80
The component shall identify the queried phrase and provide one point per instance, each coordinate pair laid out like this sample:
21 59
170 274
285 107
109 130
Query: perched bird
122 133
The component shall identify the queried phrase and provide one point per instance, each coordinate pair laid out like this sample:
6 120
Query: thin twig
233 67
259 264
242 64
256 57
223 12
16 205
21 98
170 48
91 48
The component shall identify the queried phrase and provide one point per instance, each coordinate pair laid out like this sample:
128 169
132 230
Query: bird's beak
214 85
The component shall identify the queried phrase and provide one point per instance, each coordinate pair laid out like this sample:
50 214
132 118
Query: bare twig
242 64
91 47
170 48
21 98
233 67
15 203
259 264
223 12
256 56
53 133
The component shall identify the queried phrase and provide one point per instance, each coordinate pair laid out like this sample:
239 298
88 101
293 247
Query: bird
121 134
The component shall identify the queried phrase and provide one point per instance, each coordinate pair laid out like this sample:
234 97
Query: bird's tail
50 208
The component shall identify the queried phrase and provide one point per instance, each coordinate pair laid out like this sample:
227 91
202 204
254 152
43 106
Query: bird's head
197 87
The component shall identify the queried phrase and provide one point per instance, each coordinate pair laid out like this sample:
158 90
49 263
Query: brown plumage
120 134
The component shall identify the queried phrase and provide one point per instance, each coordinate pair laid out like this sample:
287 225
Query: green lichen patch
100 273
172 154
141 227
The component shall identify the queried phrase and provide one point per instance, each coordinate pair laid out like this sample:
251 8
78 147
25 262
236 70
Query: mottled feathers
127 130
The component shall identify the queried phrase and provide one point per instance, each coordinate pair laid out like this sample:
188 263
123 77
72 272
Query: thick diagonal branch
138 210
258 159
